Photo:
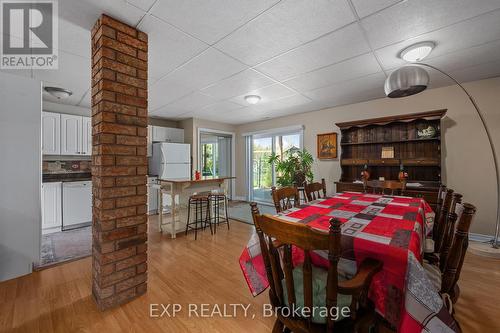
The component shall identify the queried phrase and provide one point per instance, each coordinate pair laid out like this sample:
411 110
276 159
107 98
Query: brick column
119 162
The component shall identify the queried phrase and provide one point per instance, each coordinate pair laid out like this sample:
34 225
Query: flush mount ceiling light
58 93
252 99
417 52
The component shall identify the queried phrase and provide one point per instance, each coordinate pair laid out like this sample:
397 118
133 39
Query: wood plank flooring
187 271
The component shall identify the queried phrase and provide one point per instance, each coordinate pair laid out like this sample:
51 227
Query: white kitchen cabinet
150 141
76 135
51 207
152 195
86 136
71 134
51 132
168 134
77 204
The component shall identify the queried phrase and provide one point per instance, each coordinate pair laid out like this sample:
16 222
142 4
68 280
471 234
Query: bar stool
199 202
218 202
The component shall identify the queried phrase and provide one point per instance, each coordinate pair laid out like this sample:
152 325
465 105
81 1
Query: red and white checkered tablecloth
391 229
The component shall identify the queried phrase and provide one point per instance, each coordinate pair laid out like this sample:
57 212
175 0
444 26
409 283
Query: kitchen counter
66 177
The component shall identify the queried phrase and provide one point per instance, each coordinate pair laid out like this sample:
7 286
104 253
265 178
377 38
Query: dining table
391 229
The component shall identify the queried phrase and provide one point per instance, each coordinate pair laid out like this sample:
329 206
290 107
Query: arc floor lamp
413 79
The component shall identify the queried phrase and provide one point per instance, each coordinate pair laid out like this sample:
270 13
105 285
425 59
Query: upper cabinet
71 134
167 134
51 131
64 134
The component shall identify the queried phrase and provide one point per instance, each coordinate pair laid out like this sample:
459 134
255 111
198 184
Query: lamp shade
406 81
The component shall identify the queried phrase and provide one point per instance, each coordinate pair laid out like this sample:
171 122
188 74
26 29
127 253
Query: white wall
20 174
466 156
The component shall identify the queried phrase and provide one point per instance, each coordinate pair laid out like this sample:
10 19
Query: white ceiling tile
166 111
86 100
145 5
286 103
205 69
476 31
86 12
414 17
347 70
367 7
267 94
73 72
209 20
285 26
476 55
168 47
365 88
217 109
74 39
478 72
238 84
334 47
192 102
166 91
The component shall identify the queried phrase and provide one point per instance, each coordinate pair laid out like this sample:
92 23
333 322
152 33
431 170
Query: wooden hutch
413 141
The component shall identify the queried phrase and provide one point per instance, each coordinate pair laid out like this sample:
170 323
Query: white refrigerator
171 160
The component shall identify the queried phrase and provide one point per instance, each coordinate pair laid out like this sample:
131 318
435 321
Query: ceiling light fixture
417 52
252 99
58 93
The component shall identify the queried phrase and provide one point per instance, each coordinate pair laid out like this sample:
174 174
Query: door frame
233 152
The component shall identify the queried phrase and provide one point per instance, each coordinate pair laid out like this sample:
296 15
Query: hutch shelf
414 139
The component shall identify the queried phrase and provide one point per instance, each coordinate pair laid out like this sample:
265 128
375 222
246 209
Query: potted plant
294 167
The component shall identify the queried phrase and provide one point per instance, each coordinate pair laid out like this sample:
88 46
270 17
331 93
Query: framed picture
327 146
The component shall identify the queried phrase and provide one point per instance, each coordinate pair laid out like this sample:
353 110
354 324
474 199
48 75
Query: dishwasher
76 204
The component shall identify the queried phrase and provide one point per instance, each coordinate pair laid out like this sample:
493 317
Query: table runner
391 229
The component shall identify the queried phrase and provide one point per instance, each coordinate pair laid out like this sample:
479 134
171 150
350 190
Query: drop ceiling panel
166 91
166 111
481 29
347 70
192 102
367 7
218 108
267 94
209 20
238 84
74 39
207 68
168 46
289 24
145 5
365 88
413 17
86 12
334 47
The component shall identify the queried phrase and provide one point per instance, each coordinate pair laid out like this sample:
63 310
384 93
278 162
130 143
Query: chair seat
434 275
319 279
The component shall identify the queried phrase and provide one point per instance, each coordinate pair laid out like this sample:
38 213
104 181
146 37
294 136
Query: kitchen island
179 191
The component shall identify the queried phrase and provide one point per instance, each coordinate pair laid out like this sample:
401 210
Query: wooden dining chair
315 190
456 256
449 229
394 187
440 201
308 286
440 223
285 198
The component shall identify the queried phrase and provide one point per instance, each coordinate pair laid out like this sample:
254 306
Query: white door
175 135
51 133
51 207
71 127
86 136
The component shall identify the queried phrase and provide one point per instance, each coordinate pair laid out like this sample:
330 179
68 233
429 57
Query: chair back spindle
315 190
449 230
441 223
285 198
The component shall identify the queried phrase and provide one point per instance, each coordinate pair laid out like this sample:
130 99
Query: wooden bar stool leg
208 218
188 217
227 216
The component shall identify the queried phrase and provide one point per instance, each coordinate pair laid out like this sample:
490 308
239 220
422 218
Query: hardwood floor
187 271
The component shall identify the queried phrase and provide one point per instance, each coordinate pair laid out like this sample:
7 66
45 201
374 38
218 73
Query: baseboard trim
480 237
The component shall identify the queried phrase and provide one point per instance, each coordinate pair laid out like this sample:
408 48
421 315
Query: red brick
103 116
102 138
104 269
103 160
142 74
142 228
138 83
142 36
104 203
117 87
142 209
132 61
132 241
131 140
105 149
112 128
114 171
142 93
131 201
112 278
131 221
118 46
117 25
105 52
141 151
141 268
131 160
142 189
134 42
130 181
116 255
117 66
131 100
142 170
116 192
142 55
142 248
112 214
142 113
131 120
132 261
119 233
117 108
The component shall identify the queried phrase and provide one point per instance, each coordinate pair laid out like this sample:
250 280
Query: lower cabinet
51 207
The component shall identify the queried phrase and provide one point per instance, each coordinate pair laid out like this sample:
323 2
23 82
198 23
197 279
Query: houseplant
293 167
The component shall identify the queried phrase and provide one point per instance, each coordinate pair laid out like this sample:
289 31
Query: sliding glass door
215 155
261 173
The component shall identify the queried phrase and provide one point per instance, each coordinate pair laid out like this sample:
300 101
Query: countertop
66 177
203 180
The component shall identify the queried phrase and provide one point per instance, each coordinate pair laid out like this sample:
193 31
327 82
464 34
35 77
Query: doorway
216 155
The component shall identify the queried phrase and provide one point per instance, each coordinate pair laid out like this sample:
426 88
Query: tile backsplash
64 166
